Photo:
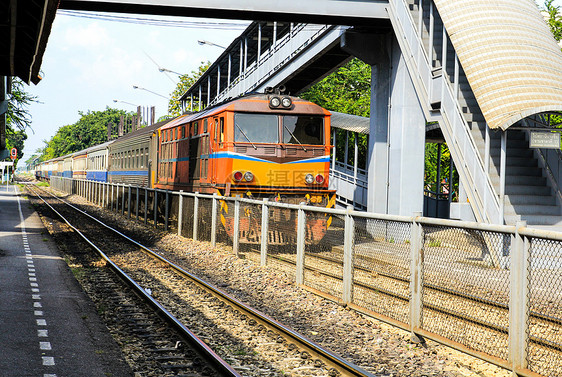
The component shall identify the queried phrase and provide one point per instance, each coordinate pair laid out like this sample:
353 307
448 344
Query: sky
90 62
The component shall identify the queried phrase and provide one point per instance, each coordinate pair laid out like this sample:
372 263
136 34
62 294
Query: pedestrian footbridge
489 76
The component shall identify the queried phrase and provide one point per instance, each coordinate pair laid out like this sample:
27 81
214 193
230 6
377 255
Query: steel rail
200 347
331 359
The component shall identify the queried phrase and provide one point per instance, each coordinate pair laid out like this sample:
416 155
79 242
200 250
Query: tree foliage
186 81
554 20
18 118
89 130
348 91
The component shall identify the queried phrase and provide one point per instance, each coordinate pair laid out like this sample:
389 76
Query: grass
434 243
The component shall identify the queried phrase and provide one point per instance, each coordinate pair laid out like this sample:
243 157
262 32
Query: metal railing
275 59
493 291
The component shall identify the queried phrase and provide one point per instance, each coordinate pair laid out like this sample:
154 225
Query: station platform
48 326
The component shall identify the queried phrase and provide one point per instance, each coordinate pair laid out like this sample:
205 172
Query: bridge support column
397 139
406 141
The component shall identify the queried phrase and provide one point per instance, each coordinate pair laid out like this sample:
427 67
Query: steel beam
337 12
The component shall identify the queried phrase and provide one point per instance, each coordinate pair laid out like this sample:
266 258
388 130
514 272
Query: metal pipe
503 157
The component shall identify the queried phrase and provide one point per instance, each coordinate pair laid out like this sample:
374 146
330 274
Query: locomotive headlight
319 179
309 178
248 176
238 176
274 102
286 102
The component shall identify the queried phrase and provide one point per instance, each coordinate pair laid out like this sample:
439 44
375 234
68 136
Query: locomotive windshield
303 129
256 128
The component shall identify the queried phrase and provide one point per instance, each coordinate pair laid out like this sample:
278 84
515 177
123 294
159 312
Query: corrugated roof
509 55
352 123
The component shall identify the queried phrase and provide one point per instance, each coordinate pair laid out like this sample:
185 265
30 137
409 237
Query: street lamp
168 70
128 103
150 91
203 42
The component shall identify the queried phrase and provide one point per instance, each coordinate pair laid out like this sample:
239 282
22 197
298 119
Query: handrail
316 32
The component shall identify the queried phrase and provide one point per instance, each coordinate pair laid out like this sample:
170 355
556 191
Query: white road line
48 360
43 333
45 346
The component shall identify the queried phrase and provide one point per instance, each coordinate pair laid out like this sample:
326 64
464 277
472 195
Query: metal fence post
103 184
264 232
112 197
301 232
180 213
236 230
348 249
129 202
416 278
155 208
123 200
195 215
145 205
214 221
166 211
137 200
519 300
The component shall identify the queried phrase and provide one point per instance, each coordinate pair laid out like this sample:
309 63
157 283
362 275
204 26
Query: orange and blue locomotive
258 146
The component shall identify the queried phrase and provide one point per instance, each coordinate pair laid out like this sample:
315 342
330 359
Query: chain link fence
545 306
323 259
382 267
491 290
461 285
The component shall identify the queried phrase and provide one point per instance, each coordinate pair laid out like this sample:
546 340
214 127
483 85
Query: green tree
89 130
554 19
186 81
348 91
18 118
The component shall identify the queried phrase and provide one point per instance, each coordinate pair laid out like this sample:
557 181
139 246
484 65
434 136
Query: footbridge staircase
504 179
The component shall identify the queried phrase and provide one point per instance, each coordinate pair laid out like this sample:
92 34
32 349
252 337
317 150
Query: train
263 145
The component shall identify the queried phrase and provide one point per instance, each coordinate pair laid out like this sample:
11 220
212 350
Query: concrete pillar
406 142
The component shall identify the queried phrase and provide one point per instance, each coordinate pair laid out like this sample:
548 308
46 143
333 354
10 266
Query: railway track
250 342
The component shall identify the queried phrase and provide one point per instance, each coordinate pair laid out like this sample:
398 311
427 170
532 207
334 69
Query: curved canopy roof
509 55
